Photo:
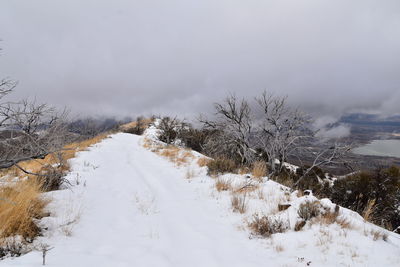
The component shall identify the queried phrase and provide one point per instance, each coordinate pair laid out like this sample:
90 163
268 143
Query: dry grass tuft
246 187
379 235
260 194
324 238
244 170
265 226
202 162
223 185
259 170
20 204
369 208
279 248
221 165
175 154
189 174
239 203
170 152
133 126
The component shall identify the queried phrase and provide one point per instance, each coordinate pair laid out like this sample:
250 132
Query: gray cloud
128 57
328 128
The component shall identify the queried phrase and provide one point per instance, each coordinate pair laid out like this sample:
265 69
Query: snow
132 207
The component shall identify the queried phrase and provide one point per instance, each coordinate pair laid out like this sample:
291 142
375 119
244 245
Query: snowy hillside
131 206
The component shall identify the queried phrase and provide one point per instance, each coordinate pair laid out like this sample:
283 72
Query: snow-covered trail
138 210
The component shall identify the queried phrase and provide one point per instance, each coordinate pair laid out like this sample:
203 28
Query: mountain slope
131 207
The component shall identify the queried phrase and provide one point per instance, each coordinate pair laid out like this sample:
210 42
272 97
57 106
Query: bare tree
233 128
331 155
280 129
28 130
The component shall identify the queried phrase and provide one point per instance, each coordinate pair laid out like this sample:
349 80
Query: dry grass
221 165
170 152
244 170
378 235
223 185
265 226
324 238
332 217
202 162
260 193
299 193
239 203
368 209
259 170
246 187
175 154
189 174
279 248
130 125
20 204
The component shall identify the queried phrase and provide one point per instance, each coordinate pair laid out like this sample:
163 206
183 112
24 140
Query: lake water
390 148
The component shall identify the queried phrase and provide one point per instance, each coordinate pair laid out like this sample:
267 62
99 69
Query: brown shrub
328 217
286 178
203 161
265 226
309 210
221 165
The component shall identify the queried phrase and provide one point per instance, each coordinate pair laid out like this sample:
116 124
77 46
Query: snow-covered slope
132 207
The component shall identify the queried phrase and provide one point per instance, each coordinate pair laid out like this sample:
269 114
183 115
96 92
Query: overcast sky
132 57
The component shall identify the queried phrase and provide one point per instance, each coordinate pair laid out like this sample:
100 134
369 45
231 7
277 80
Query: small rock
282 207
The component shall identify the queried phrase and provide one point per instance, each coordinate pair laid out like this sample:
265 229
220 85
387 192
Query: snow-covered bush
169 129
12 247
309 210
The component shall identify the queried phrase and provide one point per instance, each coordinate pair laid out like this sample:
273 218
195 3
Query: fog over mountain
127 57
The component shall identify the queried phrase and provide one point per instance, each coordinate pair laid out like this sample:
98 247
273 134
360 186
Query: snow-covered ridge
132 206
